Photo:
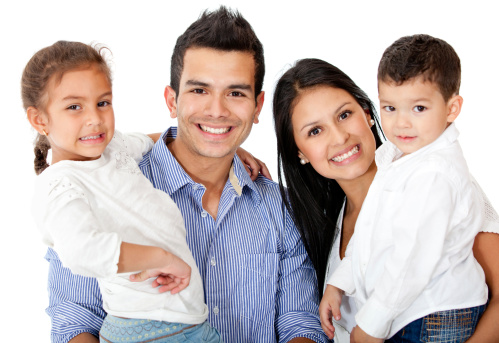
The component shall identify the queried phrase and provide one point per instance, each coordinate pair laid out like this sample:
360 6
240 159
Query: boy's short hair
223 30
422 55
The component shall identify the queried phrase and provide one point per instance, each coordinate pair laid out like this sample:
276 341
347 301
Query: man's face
215 105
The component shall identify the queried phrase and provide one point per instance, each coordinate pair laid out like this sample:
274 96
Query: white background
350 34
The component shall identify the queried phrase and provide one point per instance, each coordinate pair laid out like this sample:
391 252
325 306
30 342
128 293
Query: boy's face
414 114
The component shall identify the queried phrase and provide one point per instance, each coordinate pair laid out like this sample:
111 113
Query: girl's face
79 117
333 133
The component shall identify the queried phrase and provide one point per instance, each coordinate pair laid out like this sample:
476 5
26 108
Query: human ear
259 104
370 119
454 106
38 120
303 159
171 101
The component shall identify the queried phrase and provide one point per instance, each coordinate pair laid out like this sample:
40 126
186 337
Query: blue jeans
115 329
453 326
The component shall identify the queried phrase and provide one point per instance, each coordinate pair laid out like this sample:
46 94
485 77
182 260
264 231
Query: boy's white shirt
84 211
411 253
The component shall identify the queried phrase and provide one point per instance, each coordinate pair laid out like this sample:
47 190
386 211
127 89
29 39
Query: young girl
96 209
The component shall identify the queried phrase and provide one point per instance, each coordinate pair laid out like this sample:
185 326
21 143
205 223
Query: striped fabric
259 282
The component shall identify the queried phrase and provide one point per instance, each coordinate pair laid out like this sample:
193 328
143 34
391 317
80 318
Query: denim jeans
453 326
116 329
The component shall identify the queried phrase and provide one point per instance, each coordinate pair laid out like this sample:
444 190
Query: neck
356 190
211 172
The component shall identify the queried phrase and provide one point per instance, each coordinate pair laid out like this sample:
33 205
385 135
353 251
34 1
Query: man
259 282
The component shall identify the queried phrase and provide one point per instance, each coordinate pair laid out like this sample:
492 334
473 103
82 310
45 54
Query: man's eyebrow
243 86
196 83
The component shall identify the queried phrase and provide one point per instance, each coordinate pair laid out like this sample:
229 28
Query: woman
327 134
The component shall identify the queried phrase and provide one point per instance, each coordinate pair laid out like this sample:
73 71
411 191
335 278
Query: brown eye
314 132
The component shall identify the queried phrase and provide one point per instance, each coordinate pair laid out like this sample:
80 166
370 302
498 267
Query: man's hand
360 336
329 308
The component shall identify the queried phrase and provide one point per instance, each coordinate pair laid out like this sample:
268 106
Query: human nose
93 117
338 136
217 106
402 120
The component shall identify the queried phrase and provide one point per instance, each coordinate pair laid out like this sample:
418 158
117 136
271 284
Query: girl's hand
329 308
253 165
174 277
360 336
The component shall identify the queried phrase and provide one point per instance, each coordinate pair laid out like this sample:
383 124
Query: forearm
488 326
486 251
84 338
135 257
75 304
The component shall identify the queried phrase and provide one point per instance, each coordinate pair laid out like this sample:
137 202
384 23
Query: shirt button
216 310
213 262
204 214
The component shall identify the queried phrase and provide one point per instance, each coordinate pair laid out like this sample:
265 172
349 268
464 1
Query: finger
164 279
167 288
329 331
182 284
138 277
335 309
326 323
263 169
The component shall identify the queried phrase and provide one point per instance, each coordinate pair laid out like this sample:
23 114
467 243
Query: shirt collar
166 164
388 153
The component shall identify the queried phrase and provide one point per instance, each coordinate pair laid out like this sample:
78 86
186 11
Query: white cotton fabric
348 307
85 209
411 253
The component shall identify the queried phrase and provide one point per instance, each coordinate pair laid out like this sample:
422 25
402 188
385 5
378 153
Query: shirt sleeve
75 302
491 218
135 144
421 225
297 299
70 227
342 277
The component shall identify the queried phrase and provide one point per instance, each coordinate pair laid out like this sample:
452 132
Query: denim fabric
453 326
116 329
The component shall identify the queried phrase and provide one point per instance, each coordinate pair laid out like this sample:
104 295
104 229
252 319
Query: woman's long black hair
313 200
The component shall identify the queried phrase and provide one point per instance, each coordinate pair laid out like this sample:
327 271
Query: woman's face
333 133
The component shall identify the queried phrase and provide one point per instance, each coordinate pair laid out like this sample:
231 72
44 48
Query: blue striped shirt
260 285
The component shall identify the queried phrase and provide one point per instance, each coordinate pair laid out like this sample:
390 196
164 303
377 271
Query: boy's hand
253 165
174 277
360 336
329 308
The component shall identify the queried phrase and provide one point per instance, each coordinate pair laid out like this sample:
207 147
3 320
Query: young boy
410 265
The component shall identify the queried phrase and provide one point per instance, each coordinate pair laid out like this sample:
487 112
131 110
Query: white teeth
215 131
346 155
89 137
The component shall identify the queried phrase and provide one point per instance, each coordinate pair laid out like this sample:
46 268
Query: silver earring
302 161
371 122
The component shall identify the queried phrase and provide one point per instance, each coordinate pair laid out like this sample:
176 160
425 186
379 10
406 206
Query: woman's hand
253 165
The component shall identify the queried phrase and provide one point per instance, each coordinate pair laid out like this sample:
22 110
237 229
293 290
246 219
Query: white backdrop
350 34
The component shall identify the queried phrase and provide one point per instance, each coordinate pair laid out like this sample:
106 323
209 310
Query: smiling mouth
90 137
216 131
346 155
